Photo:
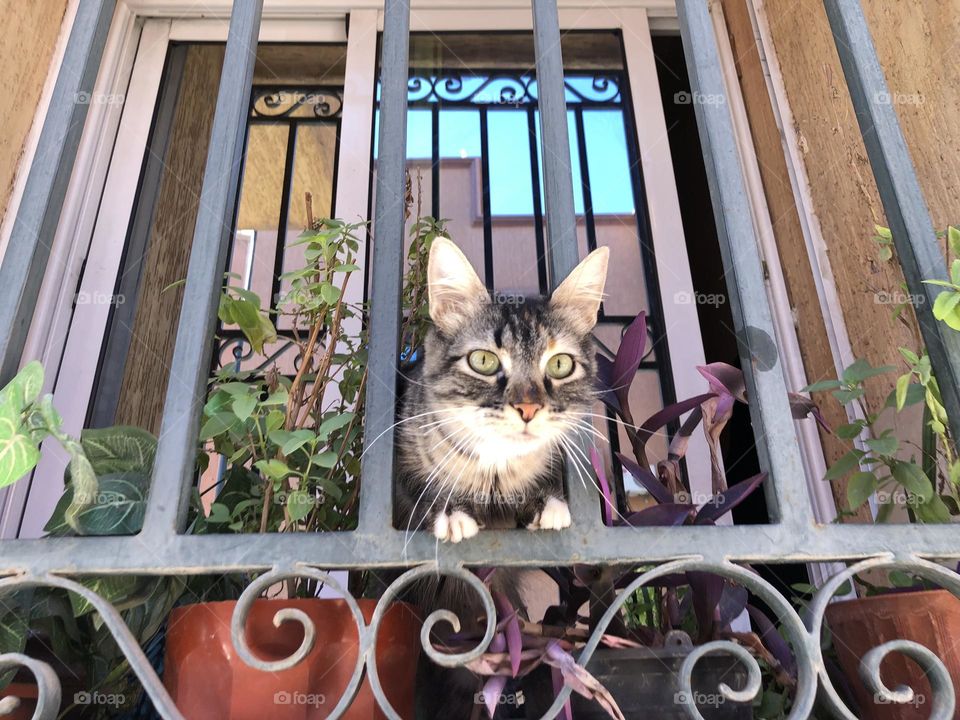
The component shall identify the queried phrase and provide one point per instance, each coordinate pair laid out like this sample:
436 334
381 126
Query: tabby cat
502 384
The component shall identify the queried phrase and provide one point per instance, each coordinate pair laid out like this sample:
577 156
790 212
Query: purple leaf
498 644
665 515
492 689
557 677
706 589
802 407
669 414
632 347
733 600
719 505
484 573
608 505
725 379
605 381
772 640
646 478
581 681
511 629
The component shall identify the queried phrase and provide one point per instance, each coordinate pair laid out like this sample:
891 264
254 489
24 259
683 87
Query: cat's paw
454 527
554 516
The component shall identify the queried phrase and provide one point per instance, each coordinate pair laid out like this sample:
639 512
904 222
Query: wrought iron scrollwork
804 639
499 88
297 103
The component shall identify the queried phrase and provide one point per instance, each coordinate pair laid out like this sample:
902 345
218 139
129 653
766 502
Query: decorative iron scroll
804 638
296 103
508 89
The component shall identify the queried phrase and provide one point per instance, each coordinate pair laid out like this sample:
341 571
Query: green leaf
933 511
119 449
945 303
115 589
334 423
953 238
25 386
218 425
883 445
329 293
883 232
298 439
862 370
898 578
273 469
955 472
903 385
955 272
915 393
18 453
846 396
218 514
244 405
325 459
823 385
844 465
885 253
116 509
861 486
912 478
299 504
851 430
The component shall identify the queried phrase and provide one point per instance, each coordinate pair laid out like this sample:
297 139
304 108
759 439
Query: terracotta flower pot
930 618
207 679
27 693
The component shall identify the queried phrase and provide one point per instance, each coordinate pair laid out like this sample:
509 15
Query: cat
496 398
488 410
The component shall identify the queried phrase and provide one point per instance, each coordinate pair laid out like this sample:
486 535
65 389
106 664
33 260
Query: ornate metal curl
944 698
507 89
253 592
447 660
49 684
754 681
320 103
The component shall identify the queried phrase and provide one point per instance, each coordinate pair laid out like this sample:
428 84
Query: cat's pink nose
527 410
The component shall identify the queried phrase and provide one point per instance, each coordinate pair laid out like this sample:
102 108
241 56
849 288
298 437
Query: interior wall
27 43
914 38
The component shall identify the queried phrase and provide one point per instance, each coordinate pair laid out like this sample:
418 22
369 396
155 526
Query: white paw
554 516
454 527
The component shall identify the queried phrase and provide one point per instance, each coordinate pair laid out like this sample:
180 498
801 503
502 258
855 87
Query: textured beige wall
29 34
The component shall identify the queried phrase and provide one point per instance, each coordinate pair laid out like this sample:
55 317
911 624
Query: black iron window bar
793 534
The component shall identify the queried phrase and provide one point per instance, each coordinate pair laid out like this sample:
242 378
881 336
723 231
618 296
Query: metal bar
200 554
189 369
488 271
537 201
913 234
435 164
776 439
588 218
31 238
562 247
282 222
376 496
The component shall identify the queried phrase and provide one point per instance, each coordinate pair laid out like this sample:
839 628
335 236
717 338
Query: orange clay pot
930 618
207 679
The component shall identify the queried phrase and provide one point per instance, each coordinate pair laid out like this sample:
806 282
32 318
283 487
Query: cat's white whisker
401 422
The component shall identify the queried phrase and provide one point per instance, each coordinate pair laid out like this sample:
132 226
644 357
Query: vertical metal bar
562 251
376 495
189 370
913 234
28 250
488 264
282 222
588 218
777 445
435 165
537 206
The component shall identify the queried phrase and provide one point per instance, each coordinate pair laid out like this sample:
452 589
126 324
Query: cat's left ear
581 292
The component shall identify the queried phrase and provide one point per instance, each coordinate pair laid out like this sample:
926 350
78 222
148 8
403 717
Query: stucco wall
30 31
915 40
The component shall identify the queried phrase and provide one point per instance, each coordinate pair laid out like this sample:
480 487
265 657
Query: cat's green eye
484 362
560 366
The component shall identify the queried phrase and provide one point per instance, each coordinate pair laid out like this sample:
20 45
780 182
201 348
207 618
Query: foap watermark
284 697
508 298
96 697
698 98
98 298
511 699
699 699
898 98
898 297
897 496
96 98
918 700
698 298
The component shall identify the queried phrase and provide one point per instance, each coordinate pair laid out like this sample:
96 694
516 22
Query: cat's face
512 378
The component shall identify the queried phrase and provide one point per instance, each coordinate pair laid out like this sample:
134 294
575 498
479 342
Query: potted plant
287 451
917 483
635 670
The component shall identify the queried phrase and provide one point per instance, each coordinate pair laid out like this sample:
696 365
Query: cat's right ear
454 289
